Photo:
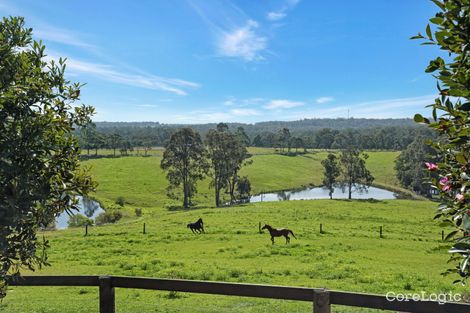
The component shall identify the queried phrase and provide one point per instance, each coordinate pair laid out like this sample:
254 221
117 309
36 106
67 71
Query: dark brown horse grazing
279 232
197 227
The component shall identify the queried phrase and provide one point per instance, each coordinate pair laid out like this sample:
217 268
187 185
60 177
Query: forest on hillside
379 134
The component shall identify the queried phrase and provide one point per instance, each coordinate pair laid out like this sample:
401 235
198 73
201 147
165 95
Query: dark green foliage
243 188
219 144
90 138
242 136
354 174
227 154
284 140
451 120
108 217
120 201
79 220
297 143
114 142
410 168
40 174
331 172
185 161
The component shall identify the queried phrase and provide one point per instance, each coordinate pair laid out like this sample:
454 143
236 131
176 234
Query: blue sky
198 61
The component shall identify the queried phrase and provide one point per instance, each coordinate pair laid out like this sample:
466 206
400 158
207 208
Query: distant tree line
296 127
379 138
128 138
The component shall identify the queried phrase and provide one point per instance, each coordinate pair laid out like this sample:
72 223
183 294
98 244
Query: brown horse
279 232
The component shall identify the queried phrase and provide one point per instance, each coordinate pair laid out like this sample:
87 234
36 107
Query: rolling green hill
142 183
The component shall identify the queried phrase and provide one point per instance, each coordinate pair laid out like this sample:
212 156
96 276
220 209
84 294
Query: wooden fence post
86 229
321 228
144 229
259 227
107 304
381 232
321 301
442 235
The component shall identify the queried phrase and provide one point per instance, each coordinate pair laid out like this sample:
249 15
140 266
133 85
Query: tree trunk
217 192
232 189
350 191
186 196
217 196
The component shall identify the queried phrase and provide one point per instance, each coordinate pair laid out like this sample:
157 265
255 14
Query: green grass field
142 183
348 256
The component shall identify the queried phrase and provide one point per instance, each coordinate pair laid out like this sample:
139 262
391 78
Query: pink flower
446 188
431 166
444 181
460 197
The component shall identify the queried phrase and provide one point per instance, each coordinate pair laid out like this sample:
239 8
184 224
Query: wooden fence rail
322 299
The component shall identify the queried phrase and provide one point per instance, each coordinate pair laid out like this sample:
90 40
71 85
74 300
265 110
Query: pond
87 207
323 193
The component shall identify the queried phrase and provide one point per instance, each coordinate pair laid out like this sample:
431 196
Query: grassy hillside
141 181
349 256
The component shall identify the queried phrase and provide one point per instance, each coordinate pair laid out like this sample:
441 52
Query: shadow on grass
173 208
85 157
370 200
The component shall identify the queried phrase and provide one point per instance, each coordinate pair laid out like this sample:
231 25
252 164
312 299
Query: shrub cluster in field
108 217
120 201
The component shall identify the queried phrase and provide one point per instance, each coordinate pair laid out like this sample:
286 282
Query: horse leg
272 239
192 229
287 239
202 229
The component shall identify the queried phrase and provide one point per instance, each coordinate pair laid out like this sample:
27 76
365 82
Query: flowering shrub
451 119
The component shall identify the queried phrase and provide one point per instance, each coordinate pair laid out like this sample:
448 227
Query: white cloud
275 16
243 42
376 108
196 117
324 99
62 36
230 101
253 100
236 34
109 73
147 105
283 104
388 108
45 31
244 112
278 15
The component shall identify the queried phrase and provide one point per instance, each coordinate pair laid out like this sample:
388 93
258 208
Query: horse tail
290 231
